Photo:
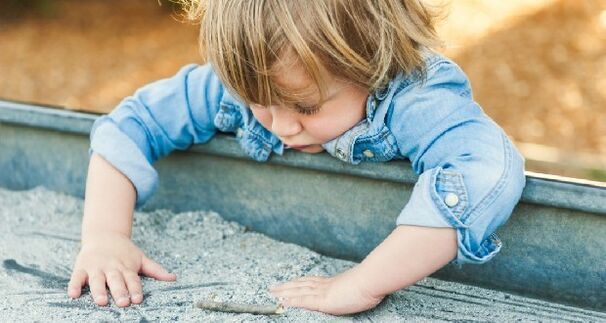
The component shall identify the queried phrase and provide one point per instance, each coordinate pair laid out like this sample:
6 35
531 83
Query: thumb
153 269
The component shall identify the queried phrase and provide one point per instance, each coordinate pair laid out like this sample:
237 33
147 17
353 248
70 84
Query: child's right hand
113 259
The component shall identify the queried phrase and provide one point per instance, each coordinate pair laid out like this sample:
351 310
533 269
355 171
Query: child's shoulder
437 69
438 74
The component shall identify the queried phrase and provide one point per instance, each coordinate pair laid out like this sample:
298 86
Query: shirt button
451 199
239 132
340 154
368 153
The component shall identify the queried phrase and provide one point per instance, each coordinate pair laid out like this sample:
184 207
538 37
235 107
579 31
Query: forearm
407 255
109 200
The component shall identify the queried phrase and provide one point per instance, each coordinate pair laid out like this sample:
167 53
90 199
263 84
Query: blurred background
537 67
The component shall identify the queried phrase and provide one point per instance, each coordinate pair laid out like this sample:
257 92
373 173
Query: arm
406 256
107 254
163 116
107 210
167 115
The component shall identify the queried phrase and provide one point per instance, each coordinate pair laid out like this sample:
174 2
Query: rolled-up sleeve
169 114
470 174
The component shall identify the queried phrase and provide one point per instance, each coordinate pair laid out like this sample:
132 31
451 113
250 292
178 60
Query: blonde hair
365 42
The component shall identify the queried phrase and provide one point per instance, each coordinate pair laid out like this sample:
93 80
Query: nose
284 122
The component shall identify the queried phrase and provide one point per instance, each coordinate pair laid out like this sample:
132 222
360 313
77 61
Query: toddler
357 79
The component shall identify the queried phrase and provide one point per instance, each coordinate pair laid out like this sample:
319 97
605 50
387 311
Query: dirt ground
537 67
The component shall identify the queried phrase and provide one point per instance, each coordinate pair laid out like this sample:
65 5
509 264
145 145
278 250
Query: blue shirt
470 174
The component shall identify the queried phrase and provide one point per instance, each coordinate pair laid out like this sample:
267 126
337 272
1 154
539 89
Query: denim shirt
470 174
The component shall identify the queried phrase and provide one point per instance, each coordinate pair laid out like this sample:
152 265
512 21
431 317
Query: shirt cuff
439 200
108 141
421 209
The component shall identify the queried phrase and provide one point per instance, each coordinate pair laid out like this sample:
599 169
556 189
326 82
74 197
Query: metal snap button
368 153
451 199
340 154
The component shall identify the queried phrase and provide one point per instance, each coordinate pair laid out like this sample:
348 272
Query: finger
153 269
133 284
115 282
78 279
96 281
317 279
295 284
296 292
310 302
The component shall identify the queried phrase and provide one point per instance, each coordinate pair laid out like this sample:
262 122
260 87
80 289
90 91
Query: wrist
99 225
101 236
366 281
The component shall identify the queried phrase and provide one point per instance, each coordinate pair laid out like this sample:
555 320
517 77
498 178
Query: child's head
364 42
257 46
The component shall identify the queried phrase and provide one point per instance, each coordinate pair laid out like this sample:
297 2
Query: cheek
263 116
322 129
343 115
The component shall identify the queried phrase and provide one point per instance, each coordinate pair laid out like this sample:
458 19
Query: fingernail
135 297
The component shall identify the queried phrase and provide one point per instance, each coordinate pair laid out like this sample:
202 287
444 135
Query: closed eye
307 110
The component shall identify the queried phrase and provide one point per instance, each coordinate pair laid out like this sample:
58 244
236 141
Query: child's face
344 107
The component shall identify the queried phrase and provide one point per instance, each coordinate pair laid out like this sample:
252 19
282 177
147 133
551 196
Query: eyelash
307 110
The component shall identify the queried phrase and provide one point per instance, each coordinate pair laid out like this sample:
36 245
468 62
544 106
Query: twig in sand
263 309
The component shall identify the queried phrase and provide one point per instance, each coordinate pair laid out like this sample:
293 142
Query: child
355 78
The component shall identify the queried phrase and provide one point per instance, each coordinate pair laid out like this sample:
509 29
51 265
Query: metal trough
554 244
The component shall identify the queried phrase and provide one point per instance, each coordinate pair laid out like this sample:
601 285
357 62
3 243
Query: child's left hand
338 295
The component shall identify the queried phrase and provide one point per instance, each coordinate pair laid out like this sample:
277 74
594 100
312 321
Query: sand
212 258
